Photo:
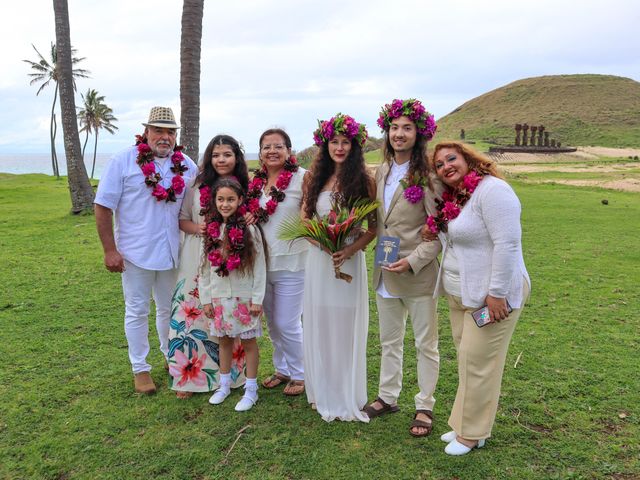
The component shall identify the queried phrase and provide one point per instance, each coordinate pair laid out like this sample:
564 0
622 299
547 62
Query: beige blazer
405 221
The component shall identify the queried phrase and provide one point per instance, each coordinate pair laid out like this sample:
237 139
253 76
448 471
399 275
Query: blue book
387 250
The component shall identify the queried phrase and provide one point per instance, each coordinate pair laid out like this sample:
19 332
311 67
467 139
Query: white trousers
282 305
138 286
392 314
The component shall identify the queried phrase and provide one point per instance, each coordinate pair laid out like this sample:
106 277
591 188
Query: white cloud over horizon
291 62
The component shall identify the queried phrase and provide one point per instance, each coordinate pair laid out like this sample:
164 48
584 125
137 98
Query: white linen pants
282 305
138 286
392 314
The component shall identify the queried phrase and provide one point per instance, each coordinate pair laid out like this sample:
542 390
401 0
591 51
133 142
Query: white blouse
487 240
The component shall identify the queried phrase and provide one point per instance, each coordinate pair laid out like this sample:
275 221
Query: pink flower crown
340 124
413 109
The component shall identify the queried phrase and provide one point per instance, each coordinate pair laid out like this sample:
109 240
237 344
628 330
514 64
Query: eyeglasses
278 147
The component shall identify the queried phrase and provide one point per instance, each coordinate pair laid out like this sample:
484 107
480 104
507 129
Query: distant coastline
21 163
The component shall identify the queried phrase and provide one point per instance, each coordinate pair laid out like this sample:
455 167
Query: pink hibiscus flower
190 311
242 314
148 169
238 358
188 369
159 192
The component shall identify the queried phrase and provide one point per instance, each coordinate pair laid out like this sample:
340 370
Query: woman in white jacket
478 222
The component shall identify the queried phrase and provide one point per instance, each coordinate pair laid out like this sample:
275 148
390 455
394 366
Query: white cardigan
210 285
487 239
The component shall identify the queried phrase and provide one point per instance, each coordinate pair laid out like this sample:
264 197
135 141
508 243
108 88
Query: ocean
41 163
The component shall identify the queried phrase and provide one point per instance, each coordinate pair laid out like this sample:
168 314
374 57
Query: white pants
283 307
138 285
392 314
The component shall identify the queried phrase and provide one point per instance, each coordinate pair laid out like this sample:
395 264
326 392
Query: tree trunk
79 186
52 133
191 39
84 145
95 149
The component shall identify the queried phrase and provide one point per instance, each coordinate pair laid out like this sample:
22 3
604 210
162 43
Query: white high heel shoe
457 448
448 437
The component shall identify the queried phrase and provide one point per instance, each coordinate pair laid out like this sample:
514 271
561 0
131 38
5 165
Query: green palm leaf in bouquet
332 230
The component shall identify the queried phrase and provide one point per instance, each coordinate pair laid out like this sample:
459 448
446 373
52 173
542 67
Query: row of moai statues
538 138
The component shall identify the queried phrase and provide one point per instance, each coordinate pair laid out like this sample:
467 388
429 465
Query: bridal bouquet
334 231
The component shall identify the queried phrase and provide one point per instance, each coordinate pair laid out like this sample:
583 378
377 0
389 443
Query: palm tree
190 46
45 71
79 186
94 116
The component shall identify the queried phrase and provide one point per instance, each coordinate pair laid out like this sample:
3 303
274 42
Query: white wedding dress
335 327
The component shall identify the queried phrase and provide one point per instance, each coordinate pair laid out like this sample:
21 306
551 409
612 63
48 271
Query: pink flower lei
412 108
414 188
340 125
152 178
224 253
277 191
453 199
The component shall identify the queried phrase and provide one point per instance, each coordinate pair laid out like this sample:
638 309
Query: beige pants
481 357
392 313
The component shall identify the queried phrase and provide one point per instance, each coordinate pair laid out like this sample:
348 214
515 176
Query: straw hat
161 117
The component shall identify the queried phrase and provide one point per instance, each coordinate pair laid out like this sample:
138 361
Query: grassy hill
577 110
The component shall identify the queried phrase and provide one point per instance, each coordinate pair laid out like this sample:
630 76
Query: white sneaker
219 396
457 448
246 403
448 437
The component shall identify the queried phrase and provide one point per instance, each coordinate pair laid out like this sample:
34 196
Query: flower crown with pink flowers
413 109
340 124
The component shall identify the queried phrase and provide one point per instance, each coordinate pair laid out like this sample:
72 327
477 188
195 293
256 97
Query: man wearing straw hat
144 186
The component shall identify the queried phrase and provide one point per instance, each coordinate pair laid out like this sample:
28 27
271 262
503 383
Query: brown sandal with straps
294 388
377 412
428 426
275 380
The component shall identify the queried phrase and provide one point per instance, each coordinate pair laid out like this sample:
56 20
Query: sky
287 63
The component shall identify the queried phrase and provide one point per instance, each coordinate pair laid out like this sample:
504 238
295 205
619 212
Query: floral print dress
193 352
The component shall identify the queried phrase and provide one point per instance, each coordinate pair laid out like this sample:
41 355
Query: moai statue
518 130
558 144
462 134
534 130
553 143
541 135
525 133
546 139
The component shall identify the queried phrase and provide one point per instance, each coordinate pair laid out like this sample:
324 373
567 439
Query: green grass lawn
569 409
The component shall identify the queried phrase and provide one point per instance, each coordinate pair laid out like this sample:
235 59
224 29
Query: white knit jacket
487 240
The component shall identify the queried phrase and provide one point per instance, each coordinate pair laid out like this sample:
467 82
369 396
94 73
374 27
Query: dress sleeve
500 210
187 203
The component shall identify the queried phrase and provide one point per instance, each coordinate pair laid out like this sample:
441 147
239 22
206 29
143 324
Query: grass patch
569 409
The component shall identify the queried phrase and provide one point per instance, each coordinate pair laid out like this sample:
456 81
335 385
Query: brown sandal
428 426
294 388
275 380
183 395
377 412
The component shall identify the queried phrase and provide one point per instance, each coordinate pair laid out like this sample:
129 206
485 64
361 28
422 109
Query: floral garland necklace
453 199
224 253
413 187
276 192
152 178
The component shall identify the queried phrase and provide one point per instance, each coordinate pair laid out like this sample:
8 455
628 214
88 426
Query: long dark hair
418 161
248 253
353 181
208 174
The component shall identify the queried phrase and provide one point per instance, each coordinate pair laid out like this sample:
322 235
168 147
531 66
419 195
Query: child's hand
250 219
202 229
255 309
208 310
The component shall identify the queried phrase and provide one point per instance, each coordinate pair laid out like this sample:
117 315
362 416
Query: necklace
452 201
152 178
276 192
224 253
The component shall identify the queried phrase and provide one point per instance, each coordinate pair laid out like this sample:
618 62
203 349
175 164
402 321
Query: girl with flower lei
232 285
485 280
194 353
152 178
